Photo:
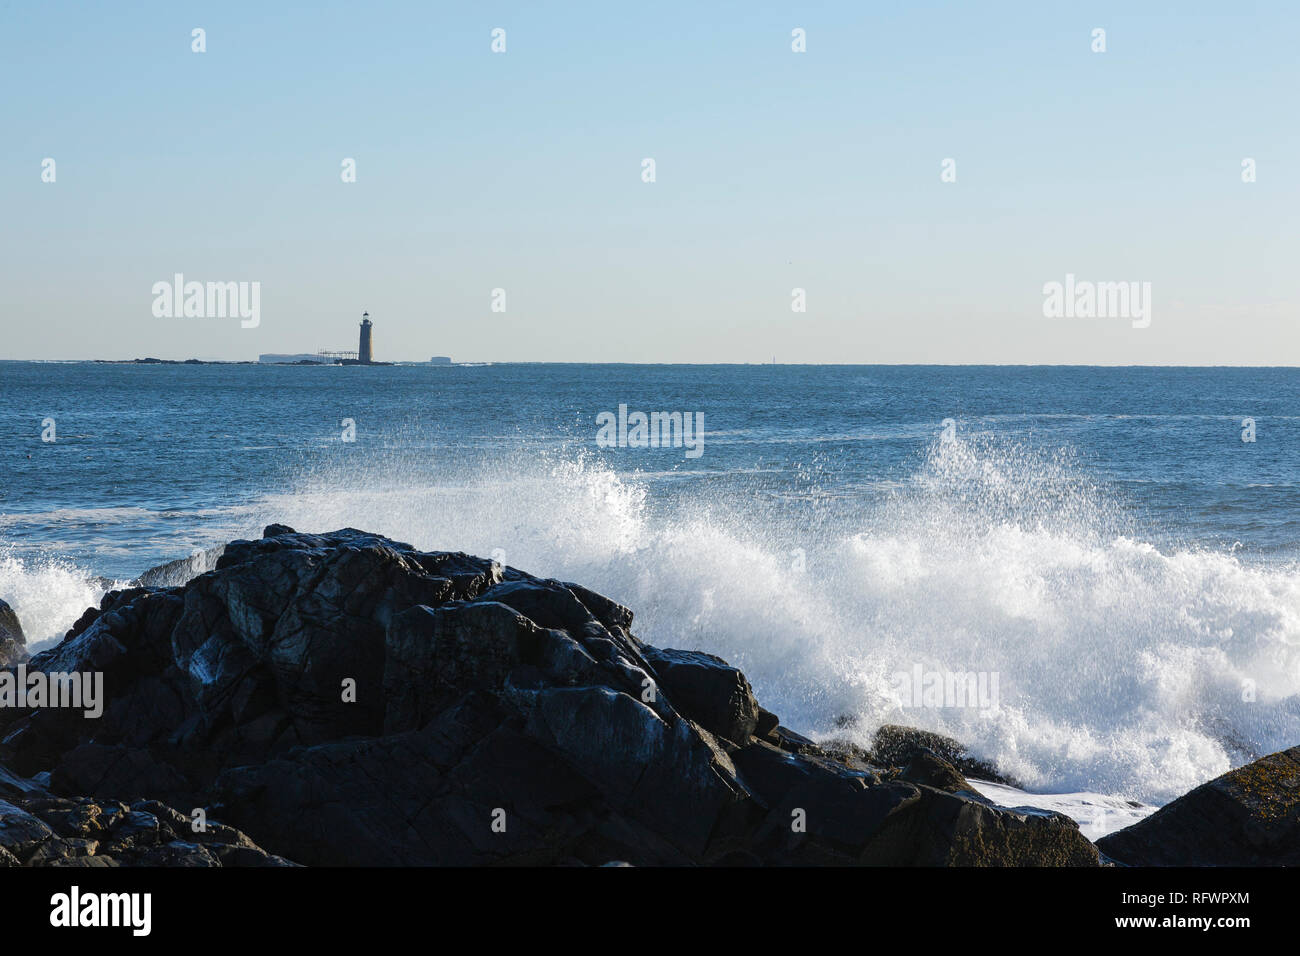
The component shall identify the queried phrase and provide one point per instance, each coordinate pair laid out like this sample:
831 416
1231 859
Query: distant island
364 355
158 361
321 358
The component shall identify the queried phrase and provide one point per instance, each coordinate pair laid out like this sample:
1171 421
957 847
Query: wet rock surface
13 643
898 746
1247 817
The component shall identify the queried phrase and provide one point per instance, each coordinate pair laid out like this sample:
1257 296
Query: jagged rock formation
895 746
13 643
55 831
1247 817
347 699
181 571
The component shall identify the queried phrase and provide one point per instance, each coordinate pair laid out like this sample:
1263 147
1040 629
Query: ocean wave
1122 668
48 593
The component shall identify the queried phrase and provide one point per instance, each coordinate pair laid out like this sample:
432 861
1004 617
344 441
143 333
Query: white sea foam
1097 814
47 593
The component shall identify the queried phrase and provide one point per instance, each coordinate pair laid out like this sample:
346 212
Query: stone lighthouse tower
364 354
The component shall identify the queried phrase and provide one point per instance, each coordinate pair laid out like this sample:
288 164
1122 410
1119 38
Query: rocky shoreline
345 699
158 361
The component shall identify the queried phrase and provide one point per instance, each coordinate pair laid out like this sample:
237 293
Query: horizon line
397 363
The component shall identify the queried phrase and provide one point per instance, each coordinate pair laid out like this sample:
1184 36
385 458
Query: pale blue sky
775 170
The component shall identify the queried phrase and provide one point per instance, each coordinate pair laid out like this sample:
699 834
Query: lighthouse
364 355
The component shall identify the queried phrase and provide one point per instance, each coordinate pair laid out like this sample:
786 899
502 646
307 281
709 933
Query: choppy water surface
1101 539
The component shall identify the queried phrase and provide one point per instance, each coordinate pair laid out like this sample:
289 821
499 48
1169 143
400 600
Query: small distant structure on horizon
440 360
365 355
365 348
322 357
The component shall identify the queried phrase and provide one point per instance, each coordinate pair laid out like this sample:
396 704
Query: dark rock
12 785
348 699
945 829
708 690
98 860
1247 817
133 830
644 766
59 851
58 831
895 746
439 808
229 855
787 739
21 833
13 643
840 807
180 853
102 768
841 751
181 571
929 768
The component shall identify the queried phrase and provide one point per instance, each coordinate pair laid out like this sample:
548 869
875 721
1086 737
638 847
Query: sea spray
1122 666
47 593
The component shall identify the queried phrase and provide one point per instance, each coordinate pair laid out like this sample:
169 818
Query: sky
774 170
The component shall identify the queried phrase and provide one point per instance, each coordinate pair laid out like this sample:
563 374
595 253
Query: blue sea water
1101 539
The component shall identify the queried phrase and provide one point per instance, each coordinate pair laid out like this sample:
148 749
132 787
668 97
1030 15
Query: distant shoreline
158 361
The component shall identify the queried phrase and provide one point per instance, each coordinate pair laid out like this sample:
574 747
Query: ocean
1100 543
